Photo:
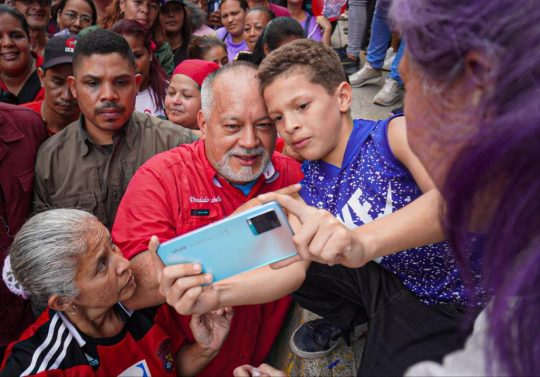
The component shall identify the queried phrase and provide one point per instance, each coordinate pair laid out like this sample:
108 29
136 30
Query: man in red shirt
59 108
193 185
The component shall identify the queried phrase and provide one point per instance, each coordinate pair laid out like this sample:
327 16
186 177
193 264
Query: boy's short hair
318 62
102 42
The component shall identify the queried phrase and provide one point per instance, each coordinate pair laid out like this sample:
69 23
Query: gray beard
246 173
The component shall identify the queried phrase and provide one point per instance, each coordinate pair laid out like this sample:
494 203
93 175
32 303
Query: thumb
153 245
289 204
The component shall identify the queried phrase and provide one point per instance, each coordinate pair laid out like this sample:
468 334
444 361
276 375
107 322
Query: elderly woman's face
431 120
104 276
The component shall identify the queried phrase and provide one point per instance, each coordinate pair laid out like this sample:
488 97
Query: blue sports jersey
371 184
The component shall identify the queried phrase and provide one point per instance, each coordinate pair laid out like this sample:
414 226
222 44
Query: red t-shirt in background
179 191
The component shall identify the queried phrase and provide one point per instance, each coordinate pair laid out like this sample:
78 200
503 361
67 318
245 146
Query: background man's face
57 94
239 136
105 87
36 12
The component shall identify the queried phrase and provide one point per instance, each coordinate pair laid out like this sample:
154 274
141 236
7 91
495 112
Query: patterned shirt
371 184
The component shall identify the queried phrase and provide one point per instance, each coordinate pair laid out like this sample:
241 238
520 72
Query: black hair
199 46
276 32
102 42
187 26
268 12
243 4
63 3
6 9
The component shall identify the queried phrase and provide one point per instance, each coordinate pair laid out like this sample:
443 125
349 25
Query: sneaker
389 94
316 339
367 75
389 59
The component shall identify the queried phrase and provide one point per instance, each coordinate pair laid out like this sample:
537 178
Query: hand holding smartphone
238 243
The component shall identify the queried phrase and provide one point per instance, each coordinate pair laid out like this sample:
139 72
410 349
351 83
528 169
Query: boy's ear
344 96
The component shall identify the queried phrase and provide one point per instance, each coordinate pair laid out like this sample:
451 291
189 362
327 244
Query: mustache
109 106
239 151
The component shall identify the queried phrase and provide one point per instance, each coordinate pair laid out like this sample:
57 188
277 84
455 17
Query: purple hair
158 77
500 160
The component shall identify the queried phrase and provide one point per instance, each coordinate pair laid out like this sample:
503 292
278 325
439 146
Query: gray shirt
73 172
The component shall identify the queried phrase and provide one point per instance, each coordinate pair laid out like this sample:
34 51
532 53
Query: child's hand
263 370
210 329
321 237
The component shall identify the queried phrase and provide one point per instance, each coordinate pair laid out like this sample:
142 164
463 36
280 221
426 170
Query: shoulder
397 138
154 125
59 142
165 163
19 114
45 342
221 32
288 167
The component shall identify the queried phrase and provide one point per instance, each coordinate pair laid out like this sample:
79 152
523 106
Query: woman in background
19 80
74 15
176 23
183 100
151 96
317 28
209 48
233 14
145 12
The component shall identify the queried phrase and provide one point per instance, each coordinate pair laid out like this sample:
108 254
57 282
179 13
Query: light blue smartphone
238 243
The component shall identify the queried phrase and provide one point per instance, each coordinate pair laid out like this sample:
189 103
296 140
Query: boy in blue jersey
366 238
359 171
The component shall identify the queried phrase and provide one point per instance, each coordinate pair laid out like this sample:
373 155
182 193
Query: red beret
196 69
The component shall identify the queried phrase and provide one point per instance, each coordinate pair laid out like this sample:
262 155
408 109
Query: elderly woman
67 261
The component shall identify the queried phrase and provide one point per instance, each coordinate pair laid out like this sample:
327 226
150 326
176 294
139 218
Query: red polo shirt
178 191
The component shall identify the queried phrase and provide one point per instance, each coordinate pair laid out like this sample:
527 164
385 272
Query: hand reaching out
319 236
210 330
263 370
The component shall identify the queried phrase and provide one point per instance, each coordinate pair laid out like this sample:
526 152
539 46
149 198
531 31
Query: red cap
196 69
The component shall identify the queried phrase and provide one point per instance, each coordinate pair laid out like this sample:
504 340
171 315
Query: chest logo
205 199
139 369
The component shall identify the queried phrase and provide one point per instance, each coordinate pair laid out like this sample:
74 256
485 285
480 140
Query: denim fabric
394 69
401 330
357 25
380 38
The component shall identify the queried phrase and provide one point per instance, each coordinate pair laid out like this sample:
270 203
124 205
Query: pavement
363 106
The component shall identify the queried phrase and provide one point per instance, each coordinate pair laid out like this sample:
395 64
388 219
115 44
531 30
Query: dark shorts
402 330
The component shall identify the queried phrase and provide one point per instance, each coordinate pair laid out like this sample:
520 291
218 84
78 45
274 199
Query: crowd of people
125 124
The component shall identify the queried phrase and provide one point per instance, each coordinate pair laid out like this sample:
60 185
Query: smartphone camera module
264 222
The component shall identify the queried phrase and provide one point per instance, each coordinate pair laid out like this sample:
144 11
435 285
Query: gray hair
46 251
237 68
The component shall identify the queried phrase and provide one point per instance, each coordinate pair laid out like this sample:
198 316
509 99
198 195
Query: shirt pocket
86 201
197 216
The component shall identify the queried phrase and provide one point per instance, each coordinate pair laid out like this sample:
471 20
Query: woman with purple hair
473 84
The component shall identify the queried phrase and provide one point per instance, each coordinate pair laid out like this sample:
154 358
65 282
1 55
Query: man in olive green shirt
88 165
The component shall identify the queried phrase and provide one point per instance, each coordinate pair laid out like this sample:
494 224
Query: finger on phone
289 204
